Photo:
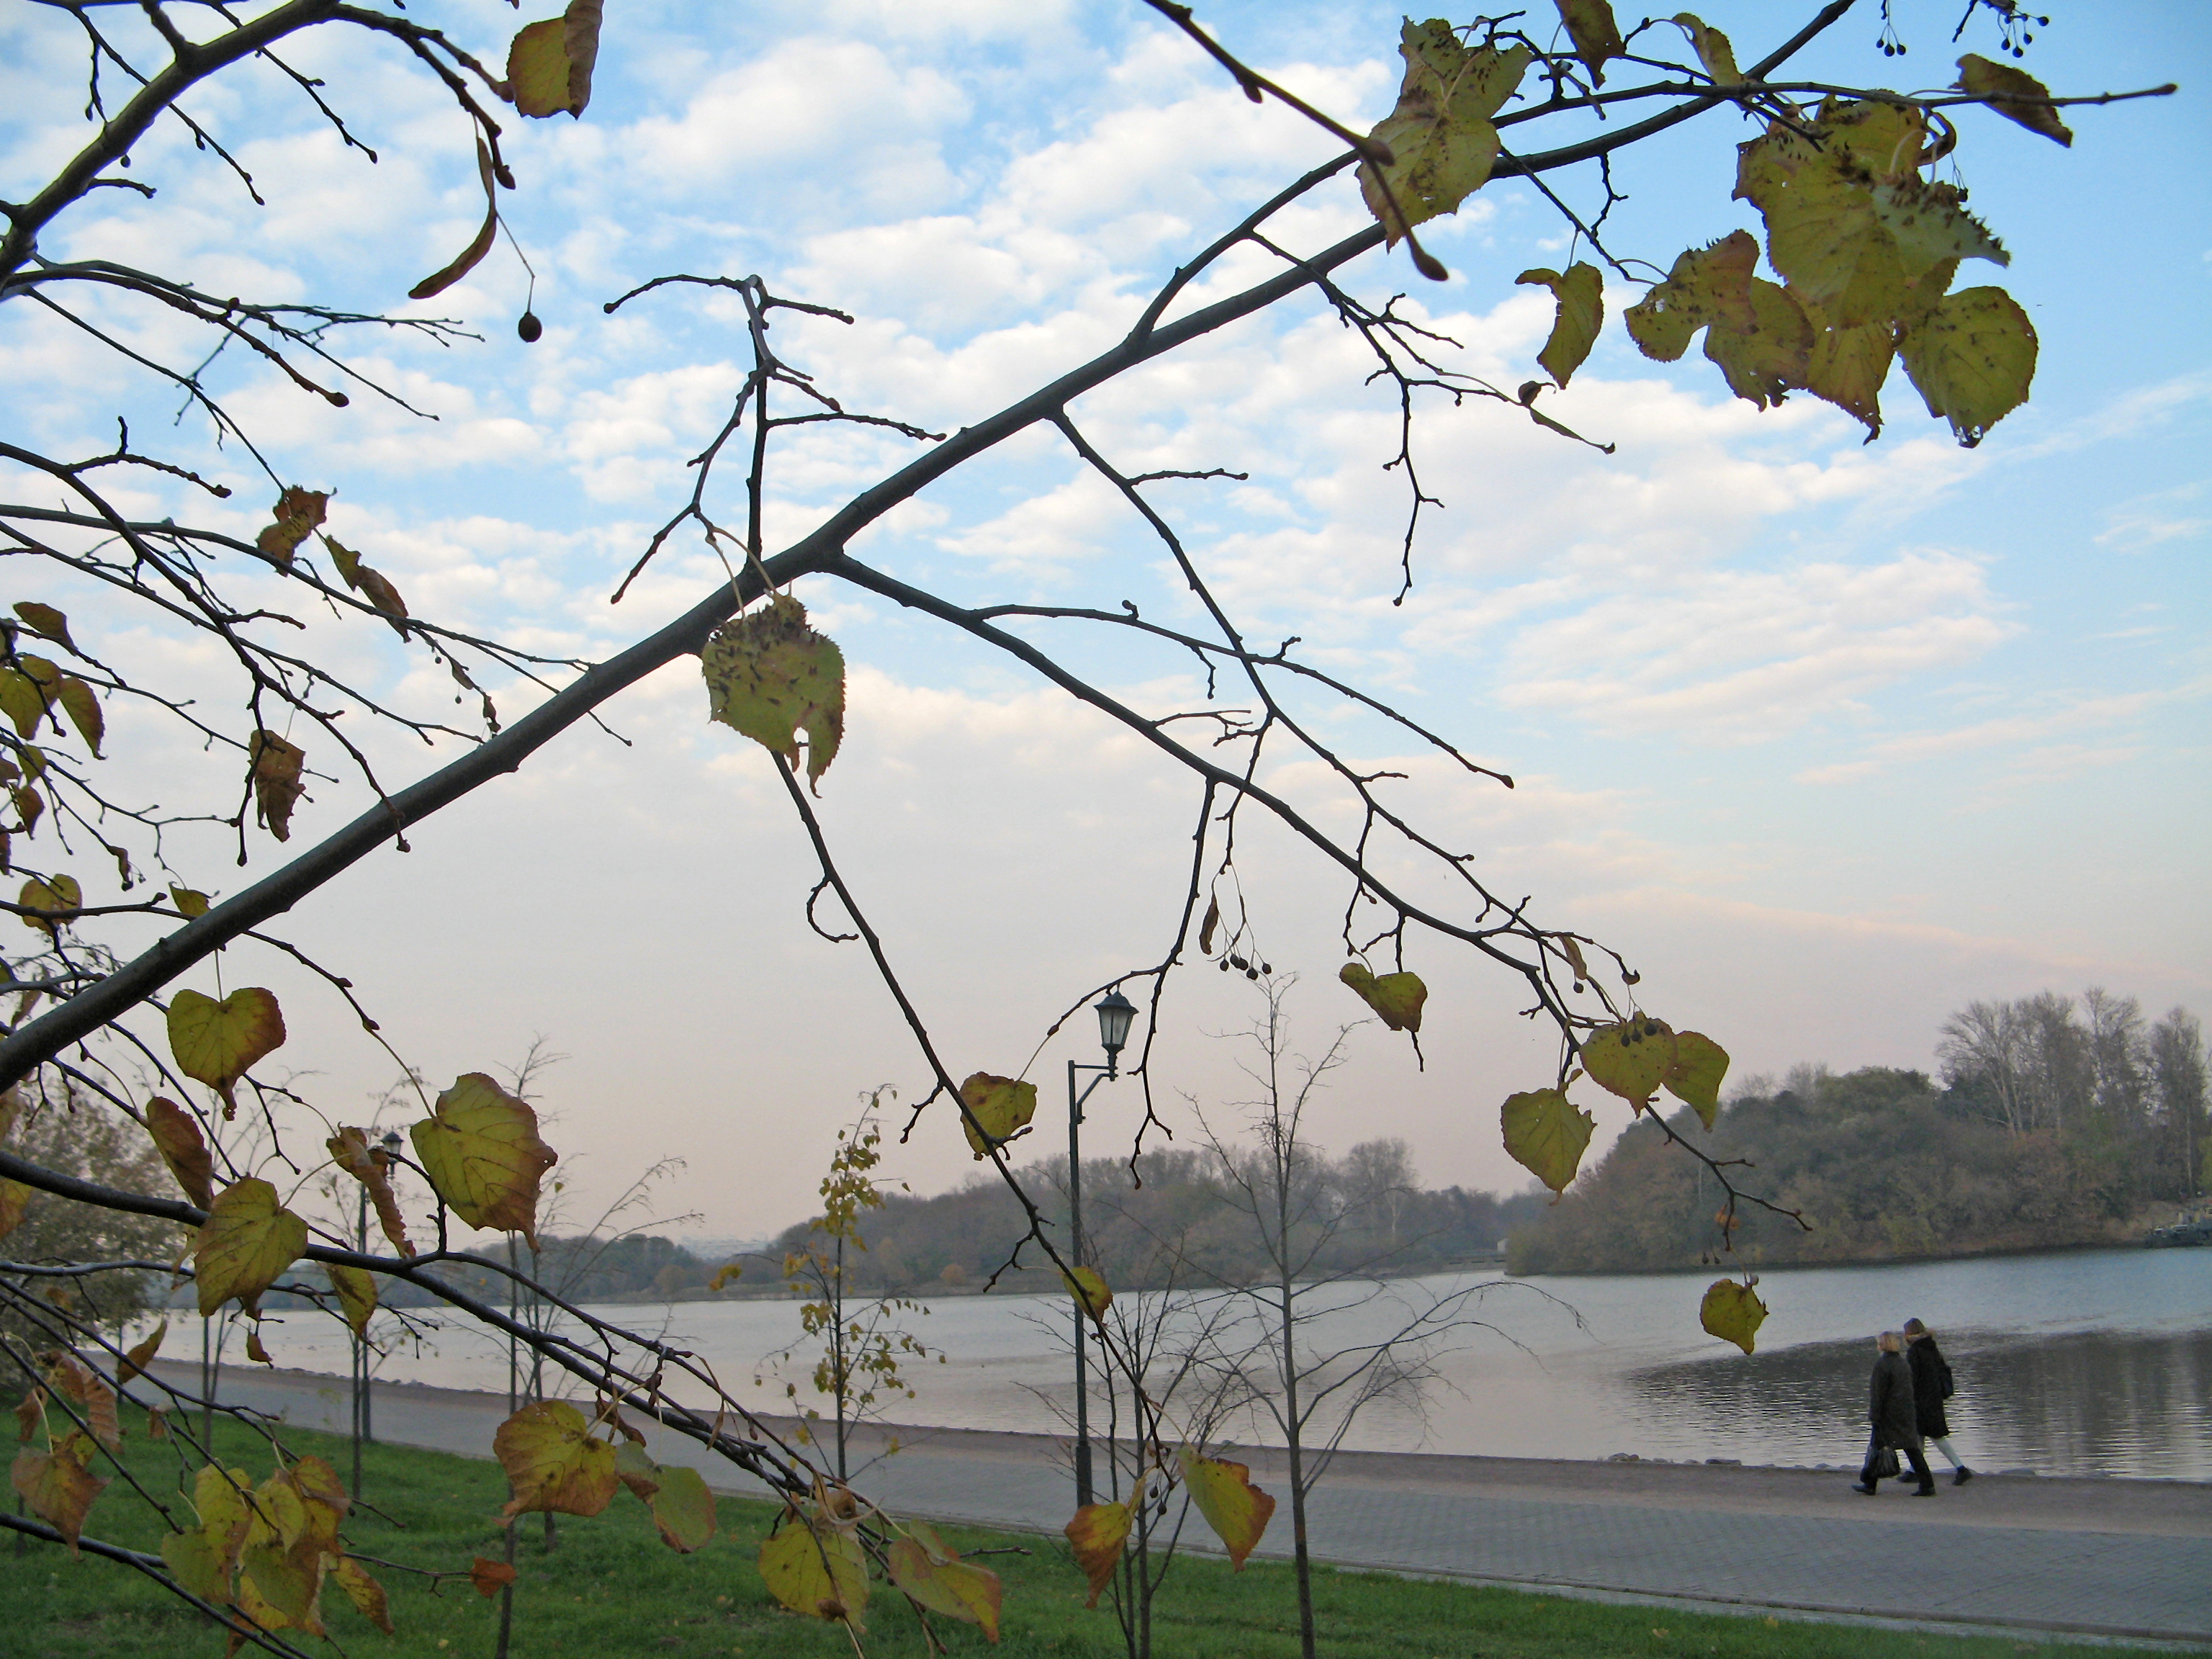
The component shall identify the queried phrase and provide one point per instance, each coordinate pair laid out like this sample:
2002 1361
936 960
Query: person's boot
1866 1487
1926 1489
1960 1475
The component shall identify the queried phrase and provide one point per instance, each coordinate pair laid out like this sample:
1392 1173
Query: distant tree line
2057 1121
1168 1218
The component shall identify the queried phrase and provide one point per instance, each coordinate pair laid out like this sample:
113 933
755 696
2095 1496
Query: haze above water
2089 1363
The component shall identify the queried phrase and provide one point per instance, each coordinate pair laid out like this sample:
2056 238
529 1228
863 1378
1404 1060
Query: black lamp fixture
1115 1013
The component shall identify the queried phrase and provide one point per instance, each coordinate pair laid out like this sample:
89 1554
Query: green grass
610 1590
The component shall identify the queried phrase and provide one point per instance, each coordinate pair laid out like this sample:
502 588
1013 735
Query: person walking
1931 1387
1896 1425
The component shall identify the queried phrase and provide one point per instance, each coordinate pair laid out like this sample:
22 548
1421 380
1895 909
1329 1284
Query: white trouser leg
1942 1443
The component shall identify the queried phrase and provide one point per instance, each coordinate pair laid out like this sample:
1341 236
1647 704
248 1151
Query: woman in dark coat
1890 1409
1930 1376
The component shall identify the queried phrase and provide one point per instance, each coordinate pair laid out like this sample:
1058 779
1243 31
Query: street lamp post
362 1426
1115 1013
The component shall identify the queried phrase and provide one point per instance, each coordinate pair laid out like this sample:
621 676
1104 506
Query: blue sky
1830 738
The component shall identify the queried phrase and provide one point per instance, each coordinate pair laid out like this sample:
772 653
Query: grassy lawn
610 1590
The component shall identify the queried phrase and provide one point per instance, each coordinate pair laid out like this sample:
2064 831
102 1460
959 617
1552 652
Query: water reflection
2131 1403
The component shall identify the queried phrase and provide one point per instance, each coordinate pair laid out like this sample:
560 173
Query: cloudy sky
1828 738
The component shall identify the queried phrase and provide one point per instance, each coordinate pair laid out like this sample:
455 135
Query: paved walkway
2109 1559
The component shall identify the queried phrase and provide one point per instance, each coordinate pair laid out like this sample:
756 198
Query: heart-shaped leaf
1630 1059
1089 1289
55 896
1700 1066
1097 1535
816 1570
481 1151
998 1109
218 1043
176 1135
1973 360
1547 1133
356 1290
554 1462
927 1568
57 1486
248 1241
768 675
1397 998
1579 316
1441 139
549 66
682 1509
1732 1312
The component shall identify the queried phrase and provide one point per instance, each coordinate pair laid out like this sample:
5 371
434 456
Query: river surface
2081 1363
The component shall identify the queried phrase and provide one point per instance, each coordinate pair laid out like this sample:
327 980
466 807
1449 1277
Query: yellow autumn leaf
1546 1133
1097 1535
47 898
356 1293
549 66
1712 48
1237 1509
85 1389
1847 366
248 1241
1000 1106
1815 188
1591 26
1089 1290
481 1152
1695 1078
57 1486
190 905
769 676
1732 1312
218 1043
818 1571
46 623
1773 356
81 704
134 1362
1576 319
1440 135
1973 360
1631 1058
1396 997
366 1595
1707 285
930 1570
554 1462
2014 94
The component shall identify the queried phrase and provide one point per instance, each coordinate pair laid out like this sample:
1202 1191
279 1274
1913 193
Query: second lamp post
1115 1013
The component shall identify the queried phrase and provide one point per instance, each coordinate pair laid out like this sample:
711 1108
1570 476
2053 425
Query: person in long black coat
1929 1372
1896 1424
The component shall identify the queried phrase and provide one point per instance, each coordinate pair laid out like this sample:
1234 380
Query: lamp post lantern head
1115 1013
391 1143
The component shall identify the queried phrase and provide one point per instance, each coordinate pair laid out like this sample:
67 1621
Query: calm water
2088 1363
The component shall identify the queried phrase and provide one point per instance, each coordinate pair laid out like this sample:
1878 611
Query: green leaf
25 699
480 1149
1711 284
635 1469
2001 83
1596 35
199 1563
769 676
1712 48
1097 1534
1576 322
1000 1106
1700 1065
1631 1058
1547 1133
1732 1312
682 1509
930 1570
1973 359
190 905
273 768
248 1241
549 66
816 1570
1396 997
1440 134
1237 1509
218 1043
553 1462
